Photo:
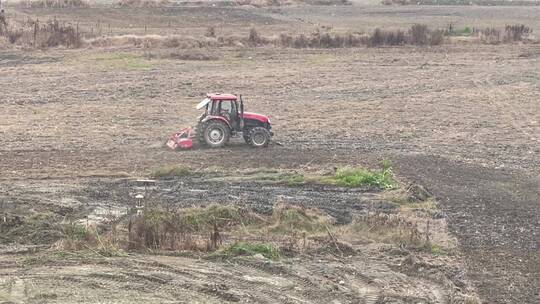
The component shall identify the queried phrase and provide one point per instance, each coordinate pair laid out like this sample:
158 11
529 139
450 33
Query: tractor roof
212 97
222 96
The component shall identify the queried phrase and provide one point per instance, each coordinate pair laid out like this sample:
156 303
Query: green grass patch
170 171
434 249
359 177
124 61
248 249
382 179
463 32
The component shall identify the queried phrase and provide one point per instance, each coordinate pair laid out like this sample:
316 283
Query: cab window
225 107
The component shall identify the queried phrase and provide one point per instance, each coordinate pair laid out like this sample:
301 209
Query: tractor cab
224 117
225 107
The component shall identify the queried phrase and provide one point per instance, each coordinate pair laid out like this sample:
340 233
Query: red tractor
223 118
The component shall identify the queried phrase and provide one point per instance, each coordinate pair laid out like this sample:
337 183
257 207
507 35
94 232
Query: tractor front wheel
258 137
216 134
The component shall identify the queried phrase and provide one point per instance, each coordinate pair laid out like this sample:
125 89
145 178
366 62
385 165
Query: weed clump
39 228
78 237
254 38
293 219
516 32
186 229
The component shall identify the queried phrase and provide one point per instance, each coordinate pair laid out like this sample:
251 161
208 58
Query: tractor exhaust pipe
241 113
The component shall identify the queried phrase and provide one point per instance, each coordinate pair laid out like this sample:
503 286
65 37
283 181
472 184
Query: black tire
245 134
216 134
258 137
199 133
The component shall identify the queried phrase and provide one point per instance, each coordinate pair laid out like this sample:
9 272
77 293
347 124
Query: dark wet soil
496 216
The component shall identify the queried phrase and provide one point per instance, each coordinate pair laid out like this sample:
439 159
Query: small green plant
248 249
124 61
357 177
434 249
170 171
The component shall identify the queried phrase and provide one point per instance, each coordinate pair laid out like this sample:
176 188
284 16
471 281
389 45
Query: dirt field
462 119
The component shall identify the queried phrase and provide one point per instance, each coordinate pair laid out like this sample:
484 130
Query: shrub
57 34
14 35
489 35
254 38
418 34
436 37
210 32
380 37
52 33
300 41
516 32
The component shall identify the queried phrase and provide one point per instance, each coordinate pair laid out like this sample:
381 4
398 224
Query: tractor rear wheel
258 137
199 132
216 134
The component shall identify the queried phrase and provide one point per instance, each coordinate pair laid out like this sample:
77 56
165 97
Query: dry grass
56 33
383 228
185 229
170 171
232 230
79 237
288 219
142 3
190 55
462 2
158 41
275 3
54 3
